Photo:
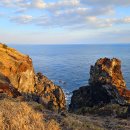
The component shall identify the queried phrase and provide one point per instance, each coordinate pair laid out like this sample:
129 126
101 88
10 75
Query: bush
5 46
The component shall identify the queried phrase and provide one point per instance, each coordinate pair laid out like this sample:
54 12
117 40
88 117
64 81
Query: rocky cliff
51 95
18 68
106 85
108 71
17 77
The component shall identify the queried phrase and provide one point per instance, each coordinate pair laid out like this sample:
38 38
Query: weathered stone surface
51 95
7 88
108 71
90 96
18 68
17 76
106 85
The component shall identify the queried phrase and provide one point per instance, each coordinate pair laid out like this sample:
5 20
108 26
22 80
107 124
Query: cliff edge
17 77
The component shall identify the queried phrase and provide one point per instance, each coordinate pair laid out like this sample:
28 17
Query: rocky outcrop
51 95
17 77
108 71
90 96
18 68
106 85
7 88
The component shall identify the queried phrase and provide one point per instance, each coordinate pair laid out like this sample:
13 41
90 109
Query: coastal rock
17 77
18 68
108 71
106 85
90 96
51 95
7 88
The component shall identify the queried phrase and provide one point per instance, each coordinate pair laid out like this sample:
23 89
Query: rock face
18 68
17 77
7 88
108 71
90 96
51 95
106 85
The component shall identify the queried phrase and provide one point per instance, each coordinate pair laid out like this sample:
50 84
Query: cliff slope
18 68
17 77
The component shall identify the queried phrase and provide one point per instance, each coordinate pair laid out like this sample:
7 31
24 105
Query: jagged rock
90 96
106 85
7 88
108 71
18 75
51 95
18 68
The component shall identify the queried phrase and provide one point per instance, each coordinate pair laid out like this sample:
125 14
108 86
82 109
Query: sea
69 65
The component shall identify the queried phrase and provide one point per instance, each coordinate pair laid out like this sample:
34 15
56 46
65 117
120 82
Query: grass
16 115
29 115
106 110
74 122
5 46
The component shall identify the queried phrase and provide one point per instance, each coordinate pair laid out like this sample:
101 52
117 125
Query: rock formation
17 77
7 88
108 71
18 68
51 95
106 85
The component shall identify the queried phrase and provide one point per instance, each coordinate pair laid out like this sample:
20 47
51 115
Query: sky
64 21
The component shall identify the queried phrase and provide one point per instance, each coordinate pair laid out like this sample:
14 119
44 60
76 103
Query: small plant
5 46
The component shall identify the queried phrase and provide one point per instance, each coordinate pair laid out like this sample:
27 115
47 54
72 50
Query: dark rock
90 96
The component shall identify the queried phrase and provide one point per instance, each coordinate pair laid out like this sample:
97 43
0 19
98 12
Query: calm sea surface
69 65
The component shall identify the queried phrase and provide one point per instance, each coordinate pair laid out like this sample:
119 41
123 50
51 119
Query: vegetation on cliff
32 101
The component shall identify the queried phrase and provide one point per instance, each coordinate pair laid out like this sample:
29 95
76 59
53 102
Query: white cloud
70 14
23 19
38 4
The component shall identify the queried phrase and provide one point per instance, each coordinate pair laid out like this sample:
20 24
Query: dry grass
74 122
21 116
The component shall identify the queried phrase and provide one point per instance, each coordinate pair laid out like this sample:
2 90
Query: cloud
106 2
38 4
70 14
23 19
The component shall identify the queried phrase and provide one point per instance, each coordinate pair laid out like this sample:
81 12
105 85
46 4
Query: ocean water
68 65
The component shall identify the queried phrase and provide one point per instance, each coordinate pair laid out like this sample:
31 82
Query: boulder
51 95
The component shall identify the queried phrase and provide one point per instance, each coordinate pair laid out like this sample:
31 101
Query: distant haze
64 21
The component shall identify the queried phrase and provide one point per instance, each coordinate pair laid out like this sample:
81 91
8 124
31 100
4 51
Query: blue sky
64 21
